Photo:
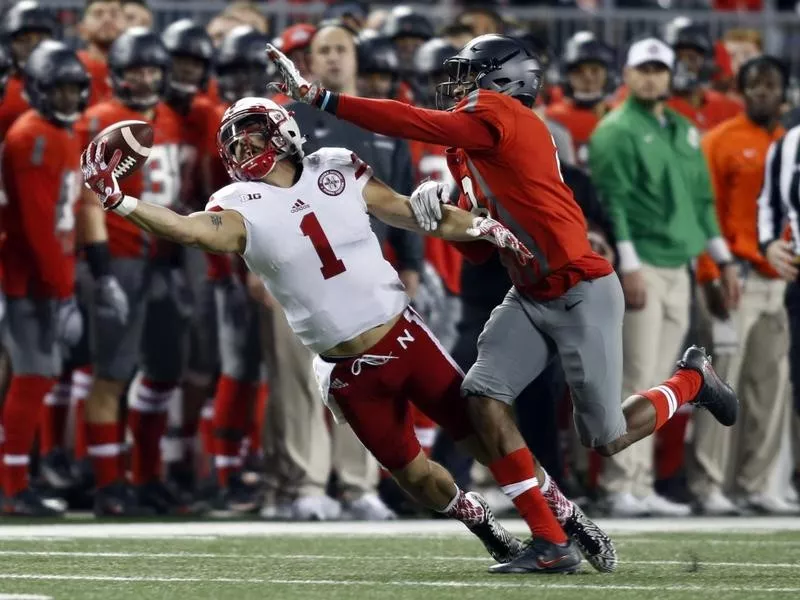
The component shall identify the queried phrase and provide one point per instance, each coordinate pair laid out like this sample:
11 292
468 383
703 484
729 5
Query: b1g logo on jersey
331 182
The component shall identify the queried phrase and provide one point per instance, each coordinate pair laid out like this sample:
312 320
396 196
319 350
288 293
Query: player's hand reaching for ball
426 203
99 176
294 84
486 228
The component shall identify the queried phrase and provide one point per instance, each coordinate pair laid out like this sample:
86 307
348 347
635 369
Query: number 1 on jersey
331 265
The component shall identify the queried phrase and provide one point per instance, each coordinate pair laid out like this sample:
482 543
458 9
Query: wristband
328 101
98 257
125 206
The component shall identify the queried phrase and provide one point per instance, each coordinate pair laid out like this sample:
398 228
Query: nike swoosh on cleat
545 564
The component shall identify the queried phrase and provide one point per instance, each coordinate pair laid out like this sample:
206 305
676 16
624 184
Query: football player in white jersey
302 224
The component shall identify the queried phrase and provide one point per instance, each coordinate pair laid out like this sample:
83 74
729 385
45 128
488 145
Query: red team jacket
158 182
504 161
43 183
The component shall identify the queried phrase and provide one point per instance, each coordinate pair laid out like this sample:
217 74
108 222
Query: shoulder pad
232 195
337 156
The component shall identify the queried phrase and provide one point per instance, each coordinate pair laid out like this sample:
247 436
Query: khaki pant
651 342
299 448
752 358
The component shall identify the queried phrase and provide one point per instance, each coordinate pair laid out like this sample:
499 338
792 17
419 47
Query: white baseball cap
650 50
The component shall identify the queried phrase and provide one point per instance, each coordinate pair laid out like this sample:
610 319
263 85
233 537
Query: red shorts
375 391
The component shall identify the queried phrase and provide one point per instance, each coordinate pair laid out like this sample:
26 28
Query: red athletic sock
676 391
55 412
425 429
104 449
148 402
561 506
670 445
515 473
21 416
256 430
81 385
232 411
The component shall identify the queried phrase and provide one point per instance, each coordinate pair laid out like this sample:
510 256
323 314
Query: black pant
792 302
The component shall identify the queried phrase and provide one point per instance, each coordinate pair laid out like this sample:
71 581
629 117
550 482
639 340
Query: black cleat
28 503
164 501
501 545
595 545
56 468
119 500
716 396
541 556
238 497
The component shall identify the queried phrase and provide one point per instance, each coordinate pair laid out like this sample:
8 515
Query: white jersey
314 249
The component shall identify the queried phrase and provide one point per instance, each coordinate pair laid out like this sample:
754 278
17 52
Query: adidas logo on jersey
298 206
338 384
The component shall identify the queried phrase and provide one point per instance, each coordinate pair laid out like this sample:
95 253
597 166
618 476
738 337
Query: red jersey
101 81
219 265
430 162
714 109
158 182
43 183
13 104
504 160
580 122
198 141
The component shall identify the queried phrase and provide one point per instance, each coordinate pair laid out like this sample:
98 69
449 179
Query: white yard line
417 528
337 557
24 597
433 584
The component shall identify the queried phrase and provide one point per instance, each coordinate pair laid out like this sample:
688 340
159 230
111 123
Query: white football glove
426 203
294 84
486 228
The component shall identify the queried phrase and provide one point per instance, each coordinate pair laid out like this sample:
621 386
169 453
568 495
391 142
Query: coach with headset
751 341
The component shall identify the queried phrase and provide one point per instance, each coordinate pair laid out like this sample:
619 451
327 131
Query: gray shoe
595 545
501 545
541 556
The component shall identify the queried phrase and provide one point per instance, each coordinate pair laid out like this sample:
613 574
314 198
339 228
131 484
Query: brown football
133 138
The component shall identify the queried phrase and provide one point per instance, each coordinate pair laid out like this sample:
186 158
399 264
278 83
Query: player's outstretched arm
222 231
456 225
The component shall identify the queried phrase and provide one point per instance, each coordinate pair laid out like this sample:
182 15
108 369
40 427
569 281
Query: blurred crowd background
255 438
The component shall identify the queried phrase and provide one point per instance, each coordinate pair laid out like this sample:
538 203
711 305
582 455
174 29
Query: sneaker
319 507
658 506
56 469
765 504
541 556
624 505
28 503
716 396
119 500
164 501
370 507
499 543
716 504
277 512
595 545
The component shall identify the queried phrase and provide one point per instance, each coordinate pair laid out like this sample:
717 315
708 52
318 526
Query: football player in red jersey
567 300
42 182
101 24
588 80
130 284
23 26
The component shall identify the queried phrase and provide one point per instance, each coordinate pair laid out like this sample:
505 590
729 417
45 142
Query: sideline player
287 215
567 299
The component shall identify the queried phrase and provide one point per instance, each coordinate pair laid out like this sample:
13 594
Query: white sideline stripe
762 525
433 584
481 559
24 597
134 144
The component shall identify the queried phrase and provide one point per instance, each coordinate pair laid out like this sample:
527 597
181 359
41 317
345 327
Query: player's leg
237 389
115 354
486 429
30 338
511 353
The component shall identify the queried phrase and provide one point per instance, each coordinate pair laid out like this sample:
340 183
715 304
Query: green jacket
654 181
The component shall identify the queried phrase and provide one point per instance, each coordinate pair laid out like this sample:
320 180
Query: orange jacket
736 152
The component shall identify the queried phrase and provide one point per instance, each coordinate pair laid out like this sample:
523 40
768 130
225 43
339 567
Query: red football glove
486 228
99 176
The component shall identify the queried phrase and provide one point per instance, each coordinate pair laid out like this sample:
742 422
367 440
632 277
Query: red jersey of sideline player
13 104
43 182
504 160
98 69
157 182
